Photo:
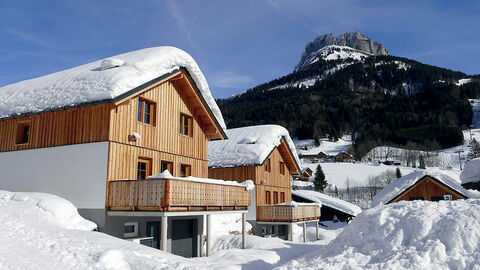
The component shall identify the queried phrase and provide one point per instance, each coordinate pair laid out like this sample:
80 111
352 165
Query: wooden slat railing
175 195
288 213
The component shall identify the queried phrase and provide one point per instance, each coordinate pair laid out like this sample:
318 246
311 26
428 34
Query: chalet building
266 155
304 175
333 209
343 157
422 185
101 134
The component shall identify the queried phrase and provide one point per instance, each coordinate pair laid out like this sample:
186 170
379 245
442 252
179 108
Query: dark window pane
139 115
26 133
129 229
147 117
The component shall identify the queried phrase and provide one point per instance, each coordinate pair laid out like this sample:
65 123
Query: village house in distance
422 185
266 155
125 140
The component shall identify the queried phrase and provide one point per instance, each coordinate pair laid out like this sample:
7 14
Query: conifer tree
319 181
398 173
474 149
421 162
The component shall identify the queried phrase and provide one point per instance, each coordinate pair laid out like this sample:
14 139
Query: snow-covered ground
43 231
326 146
404 235
356 174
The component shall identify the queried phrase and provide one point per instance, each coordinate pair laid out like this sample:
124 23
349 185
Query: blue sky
238 44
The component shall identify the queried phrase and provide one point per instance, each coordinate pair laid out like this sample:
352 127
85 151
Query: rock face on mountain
354 40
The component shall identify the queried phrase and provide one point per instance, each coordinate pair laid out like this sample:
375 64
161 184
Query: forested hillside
379 99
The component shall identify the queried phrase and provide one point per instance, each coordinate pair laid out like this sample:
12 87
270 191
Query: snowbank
64 212
101 80
248 184
471 171
401 184
404 235
326 200
248 146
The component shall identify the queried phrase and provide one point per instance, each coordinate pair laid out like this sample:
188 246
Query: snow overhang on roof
102 81
251 146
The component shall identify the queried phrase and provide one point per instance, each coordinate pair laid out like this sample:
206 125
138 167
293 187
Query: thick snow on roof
471 171
248 146
401 184
326 200
101 80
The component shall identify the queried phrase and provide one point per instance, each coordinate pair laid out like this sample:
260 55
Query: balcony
175 195
288 213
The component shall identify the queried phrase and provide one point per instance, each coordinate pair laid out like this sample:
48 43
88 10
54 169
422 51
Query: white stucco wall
75 172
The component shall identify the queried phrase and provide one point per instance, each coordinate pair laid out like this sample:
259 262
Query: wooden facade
428 188
173 124
273 185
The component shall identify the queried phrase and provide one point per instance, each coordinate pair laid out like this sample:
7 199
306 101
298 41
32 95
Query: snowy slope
334 52
334 203
248 146
471 172
401 184
357 173
328 147
101 80
404 235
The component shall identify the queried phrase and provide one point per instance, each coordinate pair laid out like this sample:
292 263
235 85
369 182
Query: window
267 166
23 133
144 168
166 165
282 197
275 197
185 170
268 200
186 125
146 111
130 229
436 199
415 199
282 168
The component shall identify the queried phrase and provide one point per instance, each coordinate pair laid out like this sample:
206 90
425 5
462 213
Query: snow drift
471 171
404 235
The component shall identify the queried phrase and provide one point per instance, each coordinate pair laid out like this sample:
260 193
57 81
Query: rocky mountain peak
354 40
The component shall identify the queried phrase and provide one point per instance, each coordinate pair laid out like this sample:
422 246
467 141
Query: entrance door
153 230
183 239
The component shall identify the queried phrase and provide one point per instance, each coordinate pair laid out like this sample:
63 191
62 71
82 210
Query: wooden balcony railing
288 213
175 195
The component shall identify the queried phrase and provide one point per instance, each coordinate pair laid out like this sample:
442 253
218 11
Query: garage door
183 237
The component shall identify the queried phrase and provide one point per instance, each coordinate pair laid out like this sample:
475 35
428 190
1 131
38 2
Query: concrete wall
77 173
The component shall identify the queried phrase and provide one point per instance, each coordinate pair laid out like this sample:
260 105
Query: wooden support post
290 231
164 233
304 232
244 230
209 233
316 223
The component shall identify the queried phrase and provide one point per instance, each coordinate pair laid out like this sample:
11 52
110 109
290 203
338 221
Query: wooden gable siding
63 127
122 162
164 135
427 188
274 181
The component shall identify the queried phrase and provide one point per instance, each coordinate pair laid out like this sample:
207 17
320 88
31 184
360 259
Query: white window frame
135 229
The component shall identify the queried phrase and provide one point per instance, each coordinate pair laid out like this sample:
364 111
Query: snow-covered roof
471 172
248 184
326 200
101 80
248 146
401 184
